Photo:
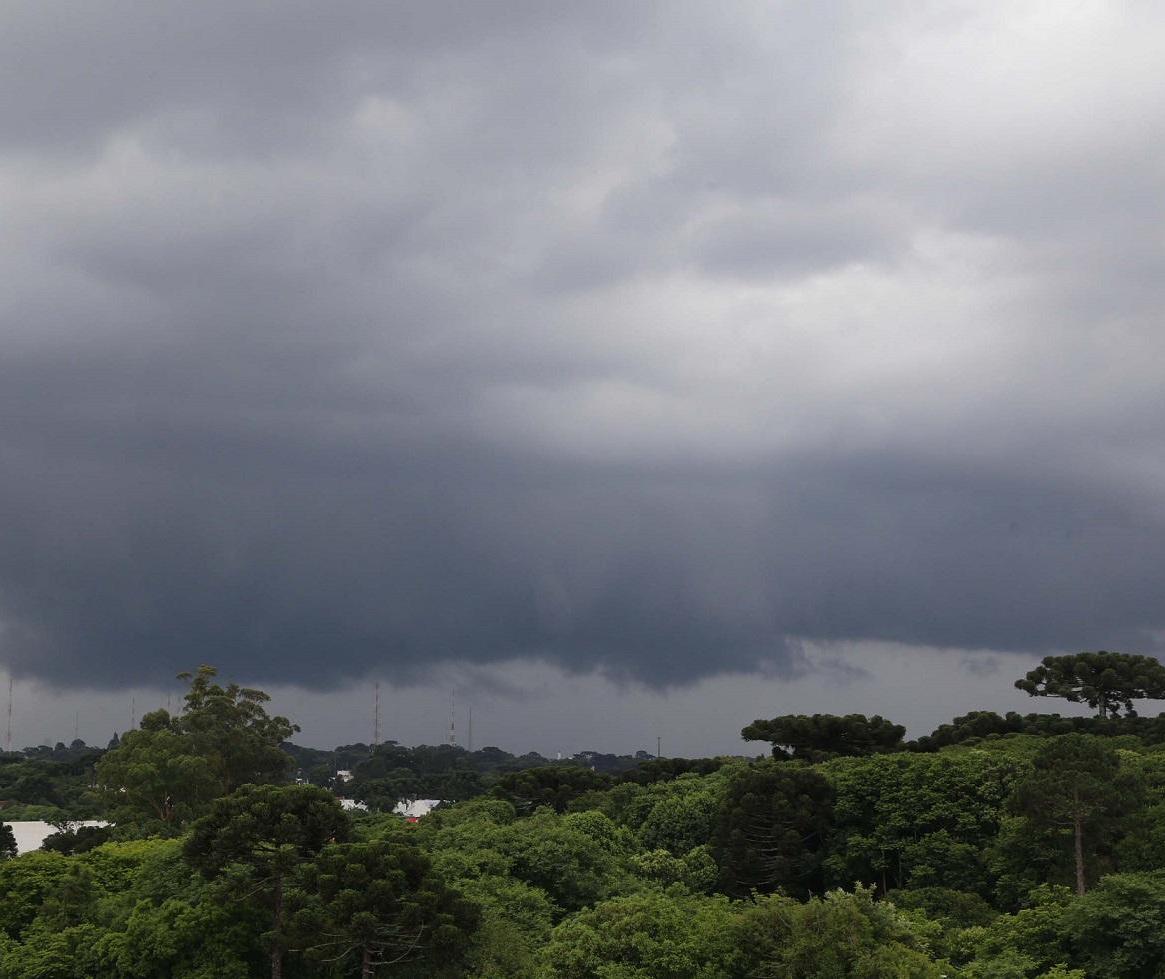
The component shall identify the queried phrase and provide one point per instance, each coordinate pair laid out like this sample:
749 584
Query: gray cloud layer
652 338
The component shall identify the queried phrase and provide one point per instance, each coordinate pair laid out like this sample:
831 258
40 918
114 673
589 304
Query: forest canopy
1027 846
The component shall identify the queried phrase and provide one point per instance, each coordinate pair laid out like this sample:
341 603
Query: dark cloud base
128 573
646 339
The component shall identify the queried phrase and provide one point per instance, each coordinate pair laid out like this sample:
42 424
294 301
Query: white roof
416 807
31 833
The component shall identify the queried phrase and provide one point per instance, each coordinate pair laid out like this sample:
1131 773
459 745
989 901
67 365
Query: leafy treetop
231 726
825 736
1105 681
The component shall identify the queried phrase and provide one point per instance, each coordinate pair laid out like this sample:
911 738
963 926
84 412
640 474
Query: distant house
343 775
347 804
414 809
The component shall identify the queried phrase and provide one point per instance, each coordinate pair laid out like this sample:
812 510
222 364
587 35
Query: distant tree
379 905
1077 785
554 786
7 842
771 829
1103 680
975 725
654 769
268 831
825 736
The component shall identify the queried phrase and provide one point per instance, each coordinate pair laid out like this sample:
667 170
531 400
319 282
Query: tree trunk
277 932
1078 830
366 969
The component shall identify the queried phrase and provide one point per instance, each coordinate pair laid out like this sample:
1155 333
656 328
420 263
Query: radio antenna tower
469 736
376 717
133 712
453 718
8 733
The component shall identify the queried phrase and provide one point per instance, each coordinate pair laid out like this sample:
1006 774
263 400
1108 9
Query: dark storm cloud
654 339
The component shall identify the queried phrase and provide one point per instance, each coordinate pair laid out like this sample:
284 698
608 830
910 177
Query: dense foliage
999 847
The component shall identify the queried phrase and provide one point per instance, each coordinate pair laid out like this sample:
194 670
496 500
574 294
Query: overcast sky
617 361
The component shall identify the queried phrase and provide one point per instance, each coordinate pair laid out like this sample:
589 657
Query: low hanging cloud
654 339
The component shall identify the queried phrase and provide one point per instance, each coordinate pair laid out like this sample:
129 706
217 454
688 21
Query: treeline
1019 848
387 773
58 783
49 782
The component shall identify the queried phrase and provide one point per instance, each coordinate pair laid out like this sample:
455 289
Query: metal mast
469 736
453 718
376 717
8 734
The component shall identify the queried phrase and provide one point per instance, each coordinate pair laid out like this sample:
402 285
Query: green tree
1078 785
380 905
1117 930
1103 680
516 919
1032 942
576 859
166 773
840 936
7 842
25 884
71 839
156 780
552 785
917 820
653 935
771 829
266 832
131 909
695 870
230 727
680 815
823 736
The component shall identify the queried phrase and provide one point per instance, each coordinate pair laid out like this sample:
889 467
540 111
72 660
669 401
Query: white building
416 808
31 833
